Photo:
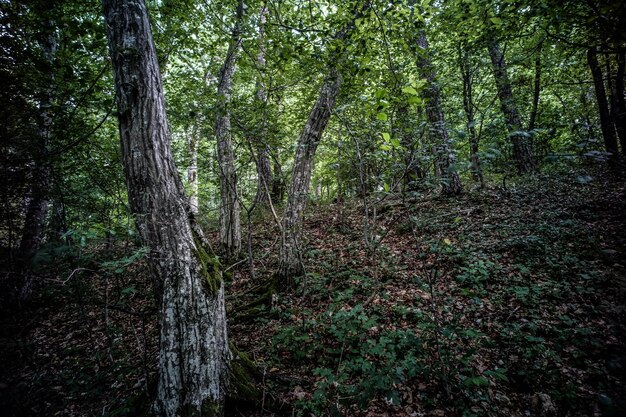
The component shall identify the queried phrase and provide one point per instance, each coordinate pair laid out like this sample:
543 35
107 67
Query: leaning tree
194 354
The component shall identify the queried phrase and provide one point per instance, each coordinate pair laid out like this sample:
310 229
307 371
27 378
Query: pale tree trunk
230 209
468 107
192 169
339 186
606 124
194 354
263 167
451 184
37 202
522 151
290 256
318 190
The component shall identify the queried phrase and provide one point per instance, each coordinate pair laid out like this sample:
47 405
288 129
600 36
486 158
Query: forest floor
497 303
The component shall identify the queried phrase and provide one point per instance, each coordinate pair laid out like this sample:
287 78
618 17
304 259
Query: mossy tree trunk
194 353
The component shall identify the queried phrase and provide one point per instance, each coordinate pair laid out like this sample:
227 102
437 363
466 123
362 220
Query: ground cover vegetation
272 208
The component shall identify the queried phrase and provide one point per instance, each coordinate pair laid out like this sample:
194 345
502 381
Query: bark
290 261
468 107
522 151
412 171
230 221
192 169
537 90
451 184
606 124
339 198
194 354
263 167
38 202
618 103
278 182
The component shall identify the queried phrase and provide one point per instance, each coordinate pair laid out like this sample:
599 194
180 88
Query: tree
606 123
263 167
192 139
194 354
230 209
38 201
468 108
451 183
618 102
290 262
522 151
537 88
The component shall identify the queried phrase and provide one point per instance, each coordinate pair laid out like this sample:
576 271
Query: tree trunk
451 184
194 354
290 262
278 182
618 103
192 169
606 124
263 168
339 185
537 89
412 172
37 202
37 206
468 107
522 151
230 222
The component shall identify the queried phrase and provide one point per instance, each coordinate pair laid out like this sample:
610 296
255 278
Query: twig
76 271
235 264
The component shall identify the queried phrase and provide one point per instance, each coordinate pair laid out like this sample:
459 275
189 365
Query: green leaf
410 90
477 381
498 373
496 21
414 100
129 290
386 136
382 117
380 93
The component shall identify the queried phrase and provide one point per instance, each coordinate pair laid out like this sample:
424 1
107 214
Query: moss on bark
258 306
209 267
242 372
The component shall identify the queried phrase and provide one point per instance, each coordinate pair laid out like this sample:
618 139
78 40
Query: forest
313 208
